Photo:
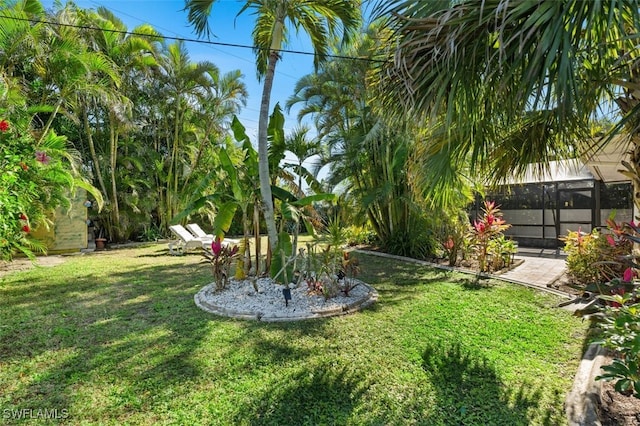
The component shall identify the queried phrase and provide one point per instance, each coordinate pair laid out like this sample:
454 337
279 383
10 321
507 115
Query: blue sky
167 17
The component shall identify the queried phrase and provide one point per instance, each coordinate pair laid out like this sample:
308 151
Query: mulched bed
616 408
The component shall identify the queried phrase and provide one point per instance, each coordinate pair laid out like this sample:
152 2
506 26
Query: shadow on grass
469 391
126 327
325 395
475 282
129 335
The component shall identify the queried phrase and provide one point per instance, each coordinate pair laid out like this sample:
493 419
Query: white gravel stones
240 300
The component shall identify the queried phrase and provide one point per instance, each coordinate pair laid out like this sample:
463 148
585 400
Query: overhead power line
191 40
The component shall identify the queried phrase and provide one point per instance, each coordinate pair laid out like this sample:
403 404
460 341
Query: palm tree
368 156
185 83
20 40
322 20
222 100
513 82
132 55
298 144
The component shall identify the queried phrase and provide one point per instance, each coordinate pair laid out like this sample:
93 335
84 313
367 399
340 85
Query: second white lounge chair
186 240
199 233
195 229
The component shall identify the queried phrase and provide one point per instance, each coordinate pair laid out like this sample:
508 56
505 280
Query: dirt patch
616 408
23 264
566 285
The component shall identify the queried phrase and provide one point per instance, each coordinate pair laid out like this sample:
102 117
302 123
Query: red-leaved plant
488 226
220 258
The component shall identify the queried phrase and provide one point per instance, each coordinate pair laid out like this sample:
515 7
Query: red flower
4 126
490 219
23 216
611 241
42 157
480 227
628 275
216 247
26 228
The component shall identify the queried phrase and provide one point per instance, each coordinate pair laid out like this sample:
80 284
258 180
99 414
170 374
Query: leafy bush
583 251
619 319
489 226
501 251
37 174
417 243
620 327
451 234
356 235
597 258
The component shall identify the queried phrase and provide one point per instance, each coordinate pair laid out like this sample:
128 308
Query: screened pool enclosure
566 197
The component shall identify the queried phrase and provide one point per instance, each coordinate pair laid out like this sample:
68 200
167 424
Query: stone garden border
204 302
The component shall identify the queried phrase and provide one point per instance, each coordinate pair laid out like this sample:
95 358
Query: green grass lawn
115 338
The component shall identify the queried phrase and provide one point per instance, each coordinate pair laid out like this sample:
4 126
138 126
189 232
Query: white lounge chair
195 229
199 233
186 240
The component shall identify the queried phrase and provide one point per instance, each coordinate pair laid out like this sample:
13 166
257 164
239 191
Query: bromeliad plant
490 225
350 269
220 258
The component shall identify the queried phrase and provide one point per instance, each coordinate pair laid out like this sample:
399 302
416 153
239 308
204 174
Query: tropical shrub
451 234
416 239
500 250
357 235
618 318
220 258
489 226
620 332
37 175
597 258
583 251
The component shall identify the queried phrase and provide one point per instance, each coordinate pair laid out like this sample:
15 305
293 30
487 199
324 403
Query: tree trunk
113 161
263 155
94 156
256 227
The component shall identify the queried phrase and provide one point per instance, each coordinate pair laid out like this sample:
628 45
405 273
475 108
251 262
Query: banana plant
241 192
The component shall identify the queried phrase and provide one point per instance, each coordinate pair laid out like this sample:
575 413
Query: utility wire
191 40
162 29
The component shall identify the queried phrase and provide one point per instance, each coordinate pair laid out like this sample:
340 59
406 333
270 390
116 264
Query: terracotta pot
100 243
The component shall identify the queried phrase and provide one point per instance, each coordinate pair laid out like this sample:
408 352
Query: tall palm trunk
50 121
113 162
94 156
256 227
172 178
263 156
